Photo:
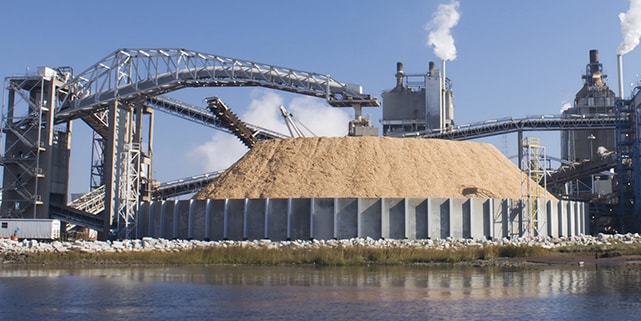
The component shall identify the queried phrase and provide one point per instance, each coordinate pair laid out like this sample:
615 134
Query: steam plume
630 27
444 19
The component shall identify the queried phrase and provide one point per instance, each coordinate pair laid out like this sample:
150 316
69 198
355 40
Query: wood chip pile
369 167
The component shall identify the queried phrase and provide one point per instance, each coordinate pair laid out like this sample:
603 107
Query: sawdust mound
368 167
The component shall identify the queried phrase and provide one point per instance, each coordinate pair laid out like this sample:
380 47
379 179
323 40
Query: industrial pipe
399 75
443 96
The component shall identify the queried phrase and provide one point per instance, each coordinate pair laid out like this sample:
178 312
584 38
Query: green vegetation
331 256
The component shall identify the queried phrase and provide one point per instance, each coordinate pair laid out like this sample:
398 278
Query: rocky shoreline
11 251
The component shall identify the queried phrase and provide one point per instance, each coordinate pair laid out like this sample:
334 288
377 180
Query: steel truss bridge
117 98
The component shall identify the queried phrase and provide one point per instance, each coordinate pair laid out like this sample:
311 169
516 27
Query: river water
327 293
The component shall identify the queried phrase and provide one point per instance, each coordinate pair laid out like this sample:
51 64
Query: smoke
222 150
565 107
444 19
630 27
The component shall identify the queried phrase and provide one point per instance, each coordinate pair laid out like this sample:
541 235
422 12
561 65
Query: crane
291 123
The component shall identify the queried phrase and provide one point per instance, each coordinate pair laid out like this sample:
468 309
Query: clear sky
514 58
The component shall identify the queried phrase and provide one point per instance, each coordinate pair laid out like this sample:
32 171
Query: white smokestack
630 27
620 71
444 19
442 107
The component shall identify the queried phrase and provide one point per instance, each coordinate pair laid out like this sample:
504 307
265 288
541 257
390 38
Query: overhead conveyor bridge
131 74
582 169
184 186
512 125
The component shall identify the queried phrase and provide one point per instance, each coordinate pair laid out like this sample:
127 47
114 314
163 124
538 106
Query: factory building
594 99
418 103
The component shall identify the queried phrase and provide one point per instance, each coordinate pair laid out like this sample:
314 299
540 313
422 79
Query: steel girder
127 74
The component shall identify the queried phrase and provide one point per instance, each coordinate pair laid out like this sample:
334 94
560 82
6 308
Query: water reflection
254 292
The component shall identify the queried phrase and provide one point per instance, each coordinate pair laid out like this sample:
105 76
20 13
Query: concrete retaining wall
342 218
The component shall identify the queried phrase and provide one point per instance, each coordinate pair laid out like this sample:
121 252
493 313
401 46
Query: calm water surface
309 293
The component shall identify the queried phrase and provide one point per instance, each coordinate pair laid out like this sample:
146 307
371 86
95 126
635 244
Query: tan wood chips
369 167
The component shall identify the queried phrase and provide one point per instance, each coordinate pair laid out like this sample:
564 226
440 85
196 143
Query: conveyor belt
183 186
230 121
583 169
511 125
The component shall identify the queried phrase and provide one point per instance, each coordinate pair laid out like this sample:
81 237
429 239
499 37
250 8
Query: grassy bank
332 256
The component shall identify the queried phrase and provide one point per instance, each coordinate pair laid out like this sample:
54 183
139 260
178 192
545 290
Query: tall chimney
620 70
399 75
594 61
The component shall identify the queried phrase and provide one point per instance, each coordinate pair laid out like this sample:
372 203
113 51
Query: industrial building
118 96
418 102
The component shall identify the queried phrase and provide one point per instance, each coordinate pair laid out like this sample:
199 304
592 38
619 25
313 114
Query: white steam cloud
565 107
223 150
630 27
440 38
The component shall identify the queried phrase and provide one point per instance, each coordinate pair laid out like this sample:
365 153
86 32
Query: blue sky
514 58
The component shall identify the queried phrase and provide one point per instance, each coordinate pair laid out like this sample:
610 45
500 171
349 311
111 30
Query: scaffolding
129 191
534 177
